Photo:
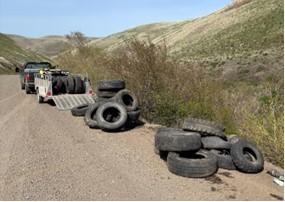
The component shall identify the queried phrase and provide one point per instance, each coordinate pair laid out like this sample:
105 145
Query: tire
90 116
247 157
233 139
133 116
39 98
58 85
79 110
204 127
110 85
27 90
111 116
213 142
127 99
106 94
172 139
22 86
225 160
70 85
195 165
79 85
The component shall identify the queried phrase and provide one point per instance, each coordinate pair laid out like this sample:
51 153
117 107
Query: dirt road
46 154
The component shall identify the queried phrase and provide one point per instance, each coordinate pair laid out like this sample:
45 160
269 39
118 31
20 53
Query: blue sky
36 18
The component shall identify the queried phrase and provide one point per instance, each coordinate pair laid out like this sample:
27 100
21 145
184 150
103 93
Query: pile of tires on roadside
115 107
201 147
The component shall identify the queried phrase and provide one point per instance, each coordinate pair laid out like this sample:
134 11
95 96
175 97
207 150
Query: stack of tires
201 147
68 84
115 107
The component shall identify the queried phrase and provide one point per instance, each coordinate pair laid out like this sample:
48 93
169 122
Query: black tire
57 85
225 160
111 116
106 94
172 139
70 85
247 157
127 99
39 98
204 127
195 165
232 139
213 142
22 86
110 85
90 116
79 85
79 110
133 116
27 90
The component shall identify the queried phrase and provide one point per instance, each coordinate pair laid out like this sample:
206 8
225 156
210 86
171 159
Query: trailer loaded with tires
201 147
115 107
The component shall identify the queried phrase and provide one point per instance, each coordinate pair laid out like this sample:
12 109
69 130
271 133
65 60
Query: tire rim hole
249 154
128 100
111 114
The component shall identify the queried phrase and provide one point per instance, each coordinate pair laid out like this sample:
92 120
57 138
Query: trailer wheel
40 98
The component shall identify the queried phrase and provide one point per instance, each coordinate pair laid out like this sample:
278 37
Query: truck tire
204 127
57 85
213 142
225 160
194 165
27 90
106 94
247 157
111 116
79 85
79 110
133 116
90 116
127 99
115 85
173 139
22 86
70 85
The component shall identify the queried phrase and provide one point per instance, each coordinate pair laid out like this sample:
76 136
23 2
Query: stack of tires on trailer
115 107
201 147
68 84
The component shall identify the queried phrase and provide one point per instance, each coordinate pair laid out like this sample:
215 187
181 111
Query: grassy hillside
49 45
243 41
11 55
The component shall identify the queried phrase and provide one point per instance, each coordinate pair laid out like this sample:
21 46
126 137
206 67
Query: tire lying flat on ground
225 160
247 157
213 142
204 127
106 85
196 165
106 94
80 110
172 139
127 99
90 116
111 116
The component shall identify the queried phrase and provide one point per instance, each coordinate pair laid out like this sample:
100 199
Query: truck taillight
48 93
27 77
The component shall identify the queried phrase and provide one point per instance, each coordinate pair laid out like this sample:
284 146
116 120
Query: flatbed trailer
44 87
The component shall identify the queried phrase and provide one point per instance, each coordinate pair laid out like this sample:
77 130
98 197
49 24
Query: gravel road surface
46 154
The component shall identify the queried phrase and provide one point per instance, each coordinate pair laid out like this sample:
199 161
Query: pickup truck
27 74
65 89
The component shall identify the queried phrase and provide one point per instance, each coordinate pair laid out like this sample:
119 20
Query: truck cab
27 74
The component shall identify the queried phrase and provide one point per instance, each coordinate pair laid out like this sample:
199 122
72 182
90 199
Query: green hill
243 41
12 56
